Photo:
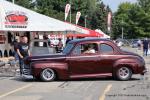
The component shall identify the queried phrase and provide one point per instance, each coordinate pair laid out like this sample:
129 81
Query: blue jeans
16 56
145 50
21 63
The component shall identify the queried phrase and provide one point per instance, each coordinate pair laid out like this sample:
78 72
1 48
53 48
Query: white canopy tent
104 35
17 18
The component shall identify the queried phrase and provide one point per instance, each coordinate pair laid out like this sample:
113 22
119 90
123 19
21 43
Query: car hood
46 57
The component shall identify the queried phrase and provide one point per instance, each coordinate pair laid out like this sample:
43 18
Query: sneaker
17 70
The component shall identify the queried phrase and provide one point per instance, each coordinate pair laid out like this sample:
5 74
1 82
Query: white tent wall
34 22
14 18
29 20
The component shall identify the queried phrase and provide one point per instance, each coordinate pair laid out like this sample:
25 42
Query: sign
77 17
67 9
16 19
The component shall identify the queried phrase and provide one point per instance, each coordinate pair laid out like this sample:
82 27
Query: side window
77 50
87 48
90 48
105 49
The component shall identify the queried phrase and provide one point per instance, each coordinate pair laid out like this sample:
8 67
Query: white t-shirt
92 51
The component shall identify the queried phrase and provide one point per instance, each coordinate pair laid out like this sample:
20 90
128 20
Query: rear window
40 44
105 48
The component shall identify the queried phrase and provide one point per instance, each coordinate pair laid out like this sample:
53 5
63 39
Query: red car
86 58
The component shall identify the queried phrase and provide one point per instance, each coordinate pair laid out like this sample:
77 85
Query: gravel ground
9 70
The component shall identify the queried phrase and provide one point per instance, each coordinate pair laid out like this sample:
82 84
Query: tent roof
103 34
90 33
17 18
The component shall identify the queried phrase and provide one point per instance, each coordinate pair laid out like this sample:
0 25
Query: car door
81 64
106 59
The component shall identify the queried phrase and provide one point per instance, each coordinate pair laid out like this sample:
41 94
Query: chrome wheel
48 75
124 73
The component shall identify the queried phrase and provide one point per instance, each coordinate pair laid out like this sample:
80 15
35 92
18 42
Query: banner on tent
16 19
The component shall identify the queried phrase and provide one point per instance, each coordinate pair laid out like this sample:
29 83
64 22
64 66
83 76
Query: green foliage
99 17
145 5
24 3
134 18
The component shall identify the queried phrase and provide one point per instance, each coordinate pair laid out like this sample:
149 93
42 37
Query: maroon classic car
86 58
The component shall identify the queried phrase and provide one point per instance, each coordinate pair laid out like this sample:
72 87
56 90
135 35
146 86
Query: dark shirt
15 43
145 44
23 48
68 40
60 44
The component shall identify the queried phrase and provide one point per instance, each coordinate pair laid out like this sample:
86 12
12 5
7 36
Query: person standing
15 43
145 46
67 40
49 42
90 49
59 46
139 44
22 51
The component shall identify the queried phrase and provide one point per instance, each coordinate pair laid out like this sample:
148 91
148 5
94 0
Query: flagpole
13 1
70 11
122 29
85 20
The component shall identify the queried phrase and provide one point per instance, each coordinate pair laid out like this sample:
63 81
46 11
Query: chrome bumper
145 71
27 70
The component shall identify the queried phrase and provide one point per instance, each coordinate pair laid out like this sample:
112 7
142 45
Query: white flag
78 16
109 18
67 9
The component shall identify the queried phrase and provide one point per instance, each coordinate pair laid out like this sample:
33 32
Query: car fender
61 69
131 63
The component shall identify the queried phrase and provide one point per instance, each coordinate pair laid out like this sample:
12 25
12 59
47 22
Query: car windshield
67 48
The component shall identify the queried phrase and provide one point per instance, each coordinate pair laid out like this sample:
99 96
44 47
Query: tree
24 3
123 19
99 17
136 20
145 5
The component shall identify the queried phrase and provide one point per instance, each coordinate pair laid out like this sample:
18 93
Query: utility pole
85 20
70 10
122 32
13 1
122 29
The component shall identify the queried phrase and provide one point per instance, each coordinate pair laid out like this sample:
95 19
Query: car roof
88 39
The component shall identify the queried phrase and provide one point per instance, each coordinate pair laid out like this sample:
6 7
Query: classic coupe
107 60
